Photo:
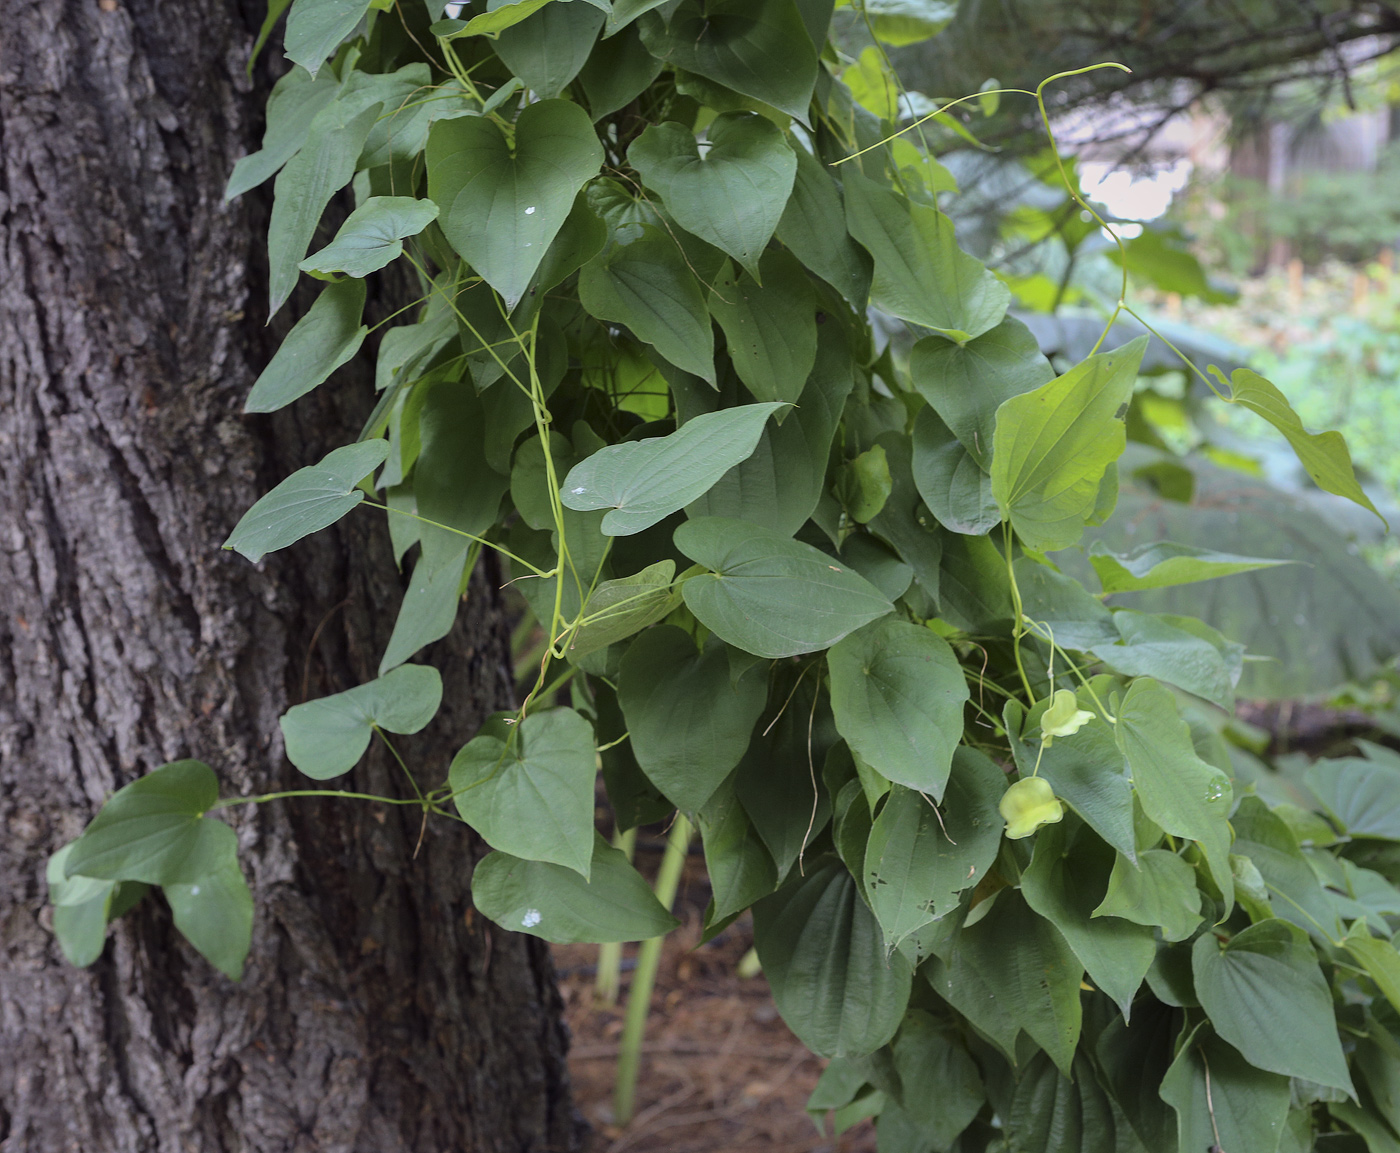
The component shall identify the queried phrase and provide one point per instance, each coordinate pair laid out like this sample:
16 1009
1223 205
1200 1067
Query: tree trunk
377 1013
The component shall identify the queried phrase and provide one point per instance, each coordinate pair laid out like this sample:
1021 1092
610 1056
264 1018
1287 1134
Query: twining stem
608 982
644 977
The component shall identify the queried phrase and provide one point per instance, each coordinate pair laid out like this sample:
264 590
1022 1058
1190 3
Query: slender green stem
644 977
417 792
1018 629
608 982
262 798
505 552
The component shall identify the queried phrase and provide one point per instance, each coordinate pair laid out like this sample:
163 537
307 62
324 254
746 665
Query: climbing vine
791 583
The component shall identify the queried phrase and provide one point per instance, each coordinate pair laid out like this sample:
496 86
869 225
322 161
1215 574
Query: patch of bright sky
1133 195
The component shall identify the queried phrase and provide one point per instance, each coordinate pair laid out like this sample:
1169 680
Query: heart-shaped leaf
532 796
770 328
372 236
547 49
953 485
325 738
643 481
307 501
320 342
732 196
504 201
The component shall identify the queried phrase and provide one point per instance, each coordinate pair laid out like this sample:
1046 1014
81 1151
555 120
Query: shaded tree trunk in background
377 1013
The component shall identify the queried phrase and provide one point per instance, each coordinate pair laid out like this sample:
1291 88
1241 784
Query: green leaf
1160 256
917 865
322 167
921 274
326 737
1323 454
740 869
902 22
547 49
214 910
813 226
966 383
1010 971
1177 790
80 907
428 610
942 1087
1150 646
532 797
1245 1106
898 692
293 105
733 195
1164 564
1241 986
1052 1114
495 20
1378 1136
1159 891
1052 446
550 901
619 608
1067 878
950 480
644 282
618 70
1268 842
320 342
1377 957
504 202
1362 795
826 965
153 830
757 47
770 330
644 481
769 595
372 236
315 29
1061 608
864 484
690 723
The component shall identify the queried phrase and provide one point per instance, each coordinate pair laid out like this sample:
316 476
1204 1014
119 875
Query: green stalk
609 979
648 958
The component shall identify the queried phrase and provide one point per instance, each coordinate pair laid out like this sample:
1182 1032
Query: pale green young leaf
547 48
813 226
1052 446
1159 891
865 483
733 195
921 274
769 595
372 236
315 29
80 907
646 480
690 722
951 482
559 905
293 105
1164 564
618 608
320 342
826 964
214 910
428 610
307 501
326 737
503 203
897 692
770 329
1221 1100
532 796
1177 790
757 47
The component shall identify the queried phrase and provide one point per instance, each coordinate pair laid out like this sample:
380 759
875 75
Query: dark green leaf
619 608
326 737
1061 609
1133 1060
618 70
315 29
950 480
1052 1114
371 237
813 226
740 869
550 901
1158 891
428 610
942 1089
1151 646
770 330
320 342
769 595
547 49
973 591
1163 564
1215 1091
1264 837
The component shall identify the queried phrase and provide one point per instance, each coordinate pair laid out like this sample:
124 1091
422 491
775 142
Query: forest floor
720 1070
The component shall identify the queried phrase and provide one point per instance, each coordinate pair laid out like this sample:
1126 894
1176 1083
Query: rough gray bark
377 1013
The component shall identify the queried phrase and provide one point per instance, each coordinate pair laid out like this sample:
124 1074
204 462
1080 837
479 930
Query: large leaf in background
1304 615
897 692
502 205
309 500
550 901
1150 646
547 50
770 329
757 47
644 481
1221 1100
733 195
320 342
315 29
322 167
1323 454
1241 985
1066 880
1363 795
826 964
372 236
643 281
531 797
326 737
953 485
690 723
920 272
769 595
918 860
813 226
1178 790
1052 445
966 383
1010 971
1165 563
